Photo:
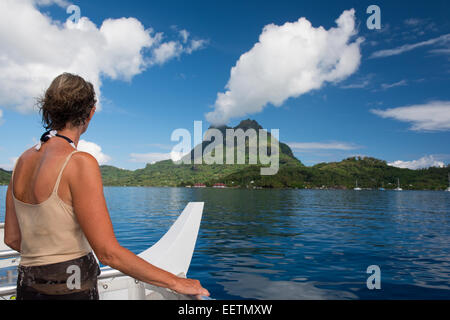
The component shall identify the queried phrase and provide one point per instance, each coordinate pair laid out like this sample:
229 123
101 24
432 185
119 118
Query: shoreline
262 188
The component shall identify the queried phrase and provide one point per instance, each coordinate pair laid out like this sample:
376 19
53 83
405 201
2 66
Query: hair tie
45 137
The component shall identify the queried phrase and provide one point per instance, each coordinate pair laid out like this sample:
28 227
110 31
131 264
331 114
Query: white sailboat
398 186
357 188
173 253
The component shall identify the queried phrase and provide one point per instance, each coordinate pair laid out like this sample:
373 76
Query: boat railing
9 254
7 291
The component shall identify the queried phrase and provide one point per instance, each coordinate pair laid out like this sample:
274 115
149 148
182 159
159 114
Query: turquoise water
299 244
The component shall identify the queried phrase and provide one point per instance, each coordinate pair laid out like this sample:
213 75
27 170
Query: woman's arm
90 207
12 237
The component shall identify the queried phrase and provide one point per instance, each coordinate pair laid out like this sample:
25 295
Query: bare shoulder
84 176
84 156
25 157
84 160
83 168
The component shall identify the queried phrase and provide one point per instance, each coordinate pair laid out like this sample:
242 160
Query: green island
370 173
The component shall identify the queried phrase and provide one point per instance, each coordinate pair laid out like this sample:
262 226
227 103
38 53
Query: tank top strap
12 175
55 189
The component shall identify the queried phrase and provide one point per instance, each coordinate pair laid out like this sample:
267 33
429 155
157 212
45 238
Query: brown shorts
69 280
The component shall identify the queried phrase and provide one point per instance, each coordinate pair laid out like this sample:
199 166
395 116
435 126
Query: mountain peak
248 124
244 125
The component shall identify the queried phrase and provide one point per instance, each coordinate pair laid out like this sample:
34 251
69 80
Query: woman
56 211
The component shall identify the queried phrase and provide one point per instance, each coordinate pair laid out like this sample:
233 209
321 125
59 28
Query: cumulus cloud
35 48
433 116
288 61
424 162
305 146
155 157
95 150
444 39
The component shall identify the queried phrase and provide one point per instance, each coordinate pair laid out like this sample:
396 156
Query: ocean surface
299 244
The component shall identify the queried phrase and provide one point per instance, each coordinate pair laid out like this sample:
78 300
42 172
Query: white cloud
95 150
424 162
413 22
196 45
149 157
357 85
1 117
441 51
433 116
9 166
400 83
444 39
61 3
35 48
360 83
167 51
288 61
304 146
155 157
184 34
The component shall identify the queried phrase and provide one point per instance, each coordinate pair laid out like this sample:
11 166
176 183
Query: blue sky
358 115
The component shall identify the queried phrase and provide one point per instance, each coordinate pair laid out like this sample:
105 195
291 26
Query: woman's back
49 228
36 173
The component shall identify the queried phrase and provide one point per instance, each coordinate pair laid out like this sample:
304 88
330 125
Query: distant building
219 186
199 185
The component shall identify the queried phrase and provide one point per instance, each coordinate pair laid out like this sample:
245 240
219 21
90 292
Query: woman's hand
190 287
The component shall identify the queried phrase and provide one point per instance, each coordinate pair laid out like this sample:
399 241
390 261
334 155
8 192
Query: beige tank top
50 231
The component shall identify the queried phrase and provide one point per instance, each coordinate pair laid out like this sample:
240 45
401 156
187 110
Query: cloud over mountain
424 162
288 61
95 150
